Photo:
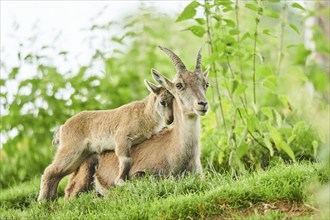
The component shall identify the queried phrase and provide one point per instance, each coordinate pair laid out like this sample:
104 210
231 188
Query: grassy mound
283 191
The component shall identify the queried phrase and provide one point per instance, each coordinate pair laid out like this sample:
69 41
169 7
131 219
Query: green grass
280 192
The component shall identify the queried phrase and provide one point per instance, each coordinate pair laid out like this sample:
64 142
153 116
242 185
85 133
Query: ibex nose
202 102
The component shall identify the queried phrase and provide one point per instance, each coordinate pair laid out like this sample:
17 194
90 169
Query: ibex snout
202 106
202 103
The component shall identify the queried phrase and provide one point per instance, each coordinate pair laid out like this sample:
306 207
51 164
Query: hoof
120 182
41 198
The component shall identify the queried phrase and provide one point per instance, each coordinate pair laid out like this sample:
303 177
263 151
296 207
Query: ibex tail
56 137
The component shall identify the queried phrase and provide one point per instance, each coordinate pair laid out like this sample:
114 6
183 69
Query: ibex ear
206 72
162 80
152 87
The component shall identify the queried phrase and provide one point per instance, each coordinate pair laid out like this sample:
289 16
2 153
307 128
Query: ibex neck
186 126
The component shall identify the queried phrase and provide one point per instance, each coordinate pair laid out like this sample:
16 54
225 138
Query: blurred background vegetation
269 80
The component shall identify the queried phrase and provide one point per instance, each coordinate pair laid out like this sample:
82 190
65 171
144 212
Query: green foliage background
268 95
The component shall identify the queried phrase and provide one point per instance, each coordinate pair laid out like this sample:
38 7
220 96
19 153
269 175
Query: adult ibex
173 151
95 131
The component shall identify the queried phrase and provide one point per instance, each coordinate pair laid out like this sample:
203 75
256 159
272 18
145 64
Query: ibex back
95 131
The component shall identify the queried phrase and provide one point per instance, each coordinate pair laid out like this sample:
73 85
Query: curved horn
175 59
198 68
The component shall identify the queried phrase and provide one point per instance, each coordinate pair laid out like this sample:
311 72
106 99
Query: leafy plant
254 120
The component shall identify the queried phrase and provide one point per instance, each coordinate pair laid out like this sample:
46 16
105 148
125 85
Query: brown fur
173 151
95 131
90 165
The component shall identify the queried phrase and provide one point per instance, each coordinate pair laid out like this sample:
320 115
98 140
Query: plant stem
239 47
211 51
241 116
283 24
254 51
254 138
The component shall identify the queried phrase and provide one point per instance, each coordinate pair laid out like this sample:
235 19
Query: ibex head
163 102
187 87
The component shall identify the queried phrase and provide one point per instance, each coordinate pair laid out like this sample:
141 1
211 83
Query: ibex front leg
123 148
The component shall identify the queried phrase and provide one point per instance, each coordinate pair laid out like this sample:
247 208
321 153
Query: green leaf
212 58
197 30
270 83
298 126
223 2
63 53
118 39
235 83
296 5
242 150
243 136
291 138
230 23
269 145
292 46
268 112
13 73
200 21
301 54
229 40
2 82
252 123
275 135
274 1
252 7
234 32
278 118
272 14
240 89
295 28
261 58
28 57
245 36
228 8
216 17
188 12
268 32
221 155
283 99
287 149
280 144
264 72
315 147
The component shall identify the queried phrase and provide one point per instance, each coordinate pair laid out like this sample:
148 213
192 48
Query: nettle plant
257 57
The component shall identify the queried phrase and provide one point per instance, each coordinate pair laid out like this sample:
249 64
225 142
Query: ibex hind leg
66 161
83 178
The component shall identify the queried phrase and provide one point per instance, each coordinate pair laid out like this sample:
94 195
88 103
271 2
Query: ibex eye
162 103
207 84
179 85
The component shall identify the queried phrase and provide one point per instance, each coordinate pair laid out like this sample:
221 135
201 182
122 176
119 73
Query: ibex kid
95 131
